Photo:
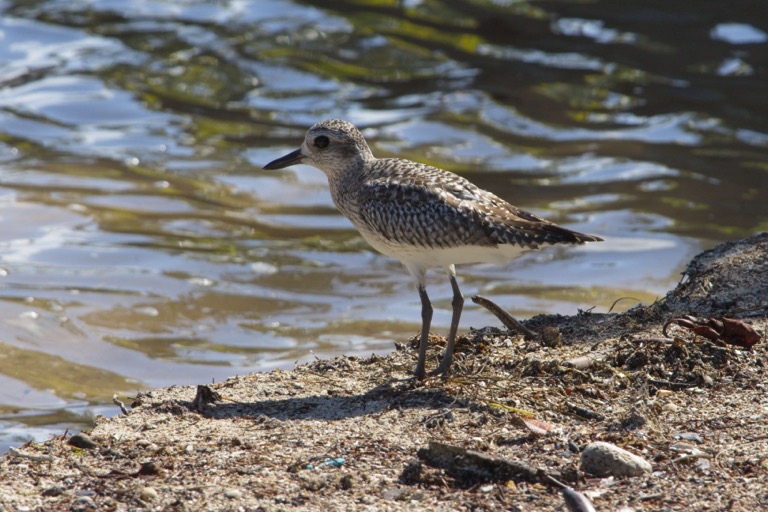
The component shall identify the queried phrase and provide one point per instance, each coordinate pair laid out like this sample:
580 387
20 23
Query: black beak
292 158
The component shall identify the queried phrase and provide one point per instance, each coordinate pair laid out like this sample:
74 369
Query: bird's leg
458 305
426 321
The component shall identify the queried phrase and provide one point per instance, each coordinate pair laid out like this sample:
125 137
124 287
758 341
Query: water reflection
142 244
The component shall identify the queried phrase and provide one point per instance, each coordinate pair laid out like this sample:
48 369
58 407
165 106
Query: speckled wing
415 214
426 207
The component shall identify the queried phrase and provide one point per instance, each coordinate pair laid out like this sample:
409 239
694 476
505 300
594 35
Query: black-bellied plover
421 215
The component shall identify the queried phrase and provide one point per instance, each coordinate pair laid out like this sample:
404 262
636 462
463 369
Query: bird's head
332 146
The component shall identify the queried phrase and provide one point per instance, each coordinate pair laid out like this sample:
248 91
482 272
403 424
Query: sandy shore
360 434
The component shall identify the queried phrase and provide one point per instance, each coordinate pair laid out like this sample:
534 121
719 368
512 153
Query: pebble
82 504
393 494
417 496
605 459
690 436
81 440
53 491
233 494
149 445
148 494
682 446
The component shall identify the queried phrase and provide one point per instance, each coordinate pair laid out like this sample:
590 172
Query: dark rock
81 440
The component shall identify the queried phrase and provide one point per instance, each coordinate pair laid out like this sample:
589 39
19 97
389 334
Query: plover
421 215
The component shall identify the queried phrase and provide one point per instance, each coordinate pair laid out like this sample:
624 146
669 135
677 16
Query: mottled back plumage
412 203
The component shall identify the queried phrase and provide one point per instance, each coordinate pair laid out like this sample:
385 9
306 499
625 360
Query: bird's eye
322 142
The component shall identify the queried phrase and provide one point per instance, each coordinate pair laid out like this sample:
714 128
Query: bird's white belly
427 257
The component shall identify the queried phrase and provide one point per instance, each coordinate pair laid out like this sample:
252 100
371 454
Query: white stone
605 459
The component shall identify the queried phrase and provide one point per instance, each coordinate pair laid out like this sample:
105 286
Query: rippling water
143 245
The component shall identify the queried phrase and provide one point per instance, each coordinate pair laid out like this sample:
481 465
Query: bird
421 215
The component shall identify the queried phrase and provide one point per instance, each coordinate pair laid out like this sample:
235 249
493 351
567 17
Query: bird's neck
344 184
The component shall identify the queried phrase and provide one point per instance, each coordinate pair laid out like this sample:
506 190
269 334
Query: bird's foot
441 370
445 364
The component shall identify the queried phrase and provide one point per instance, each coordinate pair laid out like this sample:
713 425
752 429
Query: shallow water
142 244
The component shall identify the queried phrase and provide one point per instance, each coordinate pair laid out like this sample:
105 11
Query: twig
506 319
120 404
652 340
469 462
584 412
574 500
674 386
31 456
586 361
691 456
621 299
